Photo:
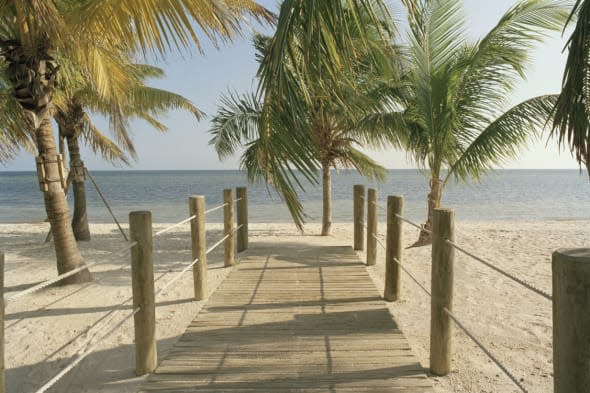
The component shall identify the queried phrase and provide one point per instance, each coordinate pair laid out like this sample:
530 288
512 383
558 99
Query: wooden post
443 256
228 226
371 227
1 323
199 244
393 245
242 206
359 219
571 320
142 275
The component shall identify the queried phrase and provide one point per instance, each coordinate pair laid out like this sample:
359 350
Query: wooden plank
305 319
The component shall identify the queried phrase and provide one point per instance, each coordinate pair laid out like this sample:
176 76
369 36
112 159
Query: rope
483 348
216 245
239 199
63 372
421 227
175 225
47 283
404 269
502 272
379 206
215 208
460 325
237 228
177 276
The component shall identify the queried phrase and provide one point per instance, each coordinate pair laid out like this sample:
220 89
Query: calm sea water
502 195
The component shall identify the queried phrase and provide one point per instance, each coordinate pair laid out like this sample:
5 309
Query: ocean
500 195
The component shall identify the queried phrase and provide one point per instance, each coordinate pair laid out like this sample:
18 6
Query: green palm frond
100 143
457 90
502 138
571 122
365 165
237 122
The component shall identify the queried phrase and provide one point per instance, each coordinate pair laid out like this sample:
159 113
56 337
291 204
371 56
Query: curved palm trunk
434 197
80 219
66 250
327 200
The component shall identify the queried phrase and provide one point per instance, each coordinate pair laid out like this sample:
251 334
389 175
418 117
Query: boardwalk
293 319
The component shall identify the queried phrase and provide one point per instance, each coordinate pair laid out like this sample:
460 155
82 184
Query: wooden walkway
296 319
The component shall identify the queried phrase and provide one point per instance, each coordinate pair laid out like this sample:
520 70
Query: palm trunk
66 250
327 200
434 197
80 219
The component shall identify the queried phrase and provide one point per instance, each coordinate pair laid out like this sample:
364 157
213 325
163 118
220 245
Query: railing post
571 320
359 219
242 206
228 226
443 256
393 243
142 275
1 323
371 227
199 245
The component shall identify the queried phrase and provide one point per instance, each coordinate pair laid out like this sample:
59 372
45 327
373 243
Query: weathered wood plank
305 319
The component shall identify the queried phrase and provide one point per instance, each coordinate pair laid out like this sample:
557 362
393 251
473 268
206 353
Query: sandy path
45 330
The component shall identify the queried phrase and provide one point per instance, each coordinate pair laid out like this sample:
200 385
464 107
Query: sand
45 330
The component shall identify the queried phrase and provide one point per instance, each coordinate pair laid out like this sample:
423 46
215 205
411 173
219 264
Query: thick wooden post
359 219
443 256
371 227
1 323
142 275
242 206
199 244
228 226
571 320
393 245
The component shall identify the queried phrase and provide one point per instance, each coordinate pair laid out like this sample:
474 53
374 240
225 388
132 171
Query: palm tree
74 122
454 117
572 111
34 32
313 73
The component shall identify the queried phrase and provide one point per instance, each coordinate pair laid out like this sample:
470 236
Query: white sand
45 330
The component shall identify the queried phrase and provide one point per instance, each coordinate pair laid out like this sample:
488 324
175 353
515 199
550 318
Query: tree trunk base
78 278
424 239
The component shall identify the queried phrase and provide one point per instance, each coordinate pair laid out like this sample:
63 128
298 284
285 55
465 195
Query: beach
45 330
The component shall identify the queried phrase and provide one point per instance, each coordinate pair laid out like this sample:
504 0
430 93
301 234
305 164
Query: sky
203 78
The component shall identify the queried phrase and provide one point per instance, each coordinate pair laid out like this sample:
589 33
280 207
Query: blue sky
203 78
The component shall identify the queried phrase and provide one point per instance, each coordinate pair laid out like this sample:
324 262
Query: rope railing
415 225
57 279
213 247
171 227
177 277
512 277
458 323
502 272
82 356
485 350
215 208
143 280
443 235
404 268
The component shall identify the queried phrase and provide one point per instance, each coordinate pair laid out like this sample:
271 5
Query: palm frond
364 164
100 143
237 122
164 25
572 111
502 139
